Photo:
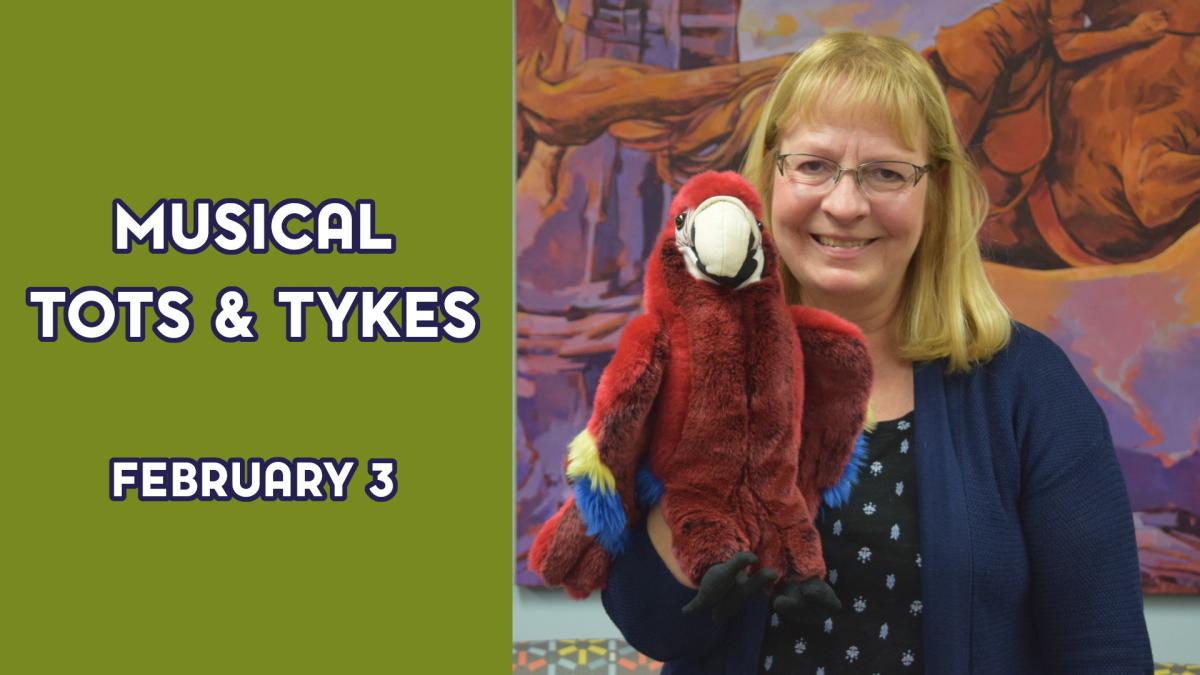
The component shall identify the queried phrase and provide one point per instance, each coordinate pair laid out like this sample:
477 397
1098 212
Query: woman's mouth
839 242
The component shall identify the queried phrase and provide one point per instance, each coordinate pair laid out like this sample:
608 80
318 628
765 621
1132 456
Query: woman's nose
846 202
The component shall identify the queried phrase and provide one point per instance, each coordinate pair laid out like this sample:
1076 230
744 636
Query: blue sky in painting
769 27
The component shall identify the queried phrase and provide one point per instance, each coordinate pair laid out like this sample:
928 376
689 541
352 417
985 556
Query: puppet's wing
604 457
602 464
837 387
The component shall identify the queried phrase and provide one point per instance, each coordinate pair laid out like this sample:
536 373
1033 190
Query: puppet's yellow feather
583 461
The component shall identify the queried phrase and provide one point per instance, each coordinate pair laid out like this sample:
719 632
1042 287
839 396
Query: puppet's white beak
725 242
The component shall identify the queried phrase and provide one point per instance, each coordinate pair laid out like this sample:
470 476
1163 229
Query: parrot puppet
734 411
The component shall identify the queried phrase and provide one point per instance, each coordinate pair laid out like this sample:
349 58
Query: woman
1023 559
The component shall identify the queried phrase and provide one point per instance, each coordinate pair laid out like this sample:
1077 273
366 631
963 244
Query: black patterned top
872 554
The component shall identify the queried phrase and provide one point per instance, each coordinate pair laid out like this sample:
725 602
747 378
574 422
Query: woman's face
841 244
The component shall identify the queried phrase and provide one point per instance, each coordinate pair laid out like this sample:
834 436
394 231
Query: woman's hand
660 536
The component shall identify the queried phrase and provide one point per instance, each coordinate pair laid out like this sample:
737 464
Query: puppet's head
718 229
713 241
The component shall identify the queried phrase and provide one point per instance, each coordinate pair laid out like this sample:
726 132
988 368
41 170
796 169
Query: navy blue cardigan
1029 563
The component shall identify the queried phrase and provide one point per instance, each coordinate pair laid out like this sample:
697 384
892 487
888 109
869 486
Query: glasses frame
921 170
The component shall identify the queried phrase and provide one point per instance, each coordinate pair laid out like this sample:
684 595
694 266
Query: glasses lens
887 176
808 170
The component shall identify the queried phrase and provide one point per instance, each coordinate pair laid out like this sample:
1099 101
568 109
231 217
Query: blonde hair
947 307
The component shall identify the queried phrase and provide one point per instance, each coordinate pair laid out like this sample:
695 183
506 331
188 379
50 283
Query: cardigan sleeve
1086 588
645 600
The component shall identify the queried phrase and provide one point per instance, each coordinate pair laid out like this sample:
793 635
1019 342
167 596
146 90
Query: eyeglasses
873 178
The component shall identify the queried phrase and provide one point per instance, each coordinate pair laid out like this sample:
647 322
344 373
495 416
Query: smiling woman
992 533
851 100
842 238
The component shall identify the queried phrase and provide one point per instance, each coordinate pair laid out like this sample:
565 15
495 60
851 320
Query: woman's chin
837 284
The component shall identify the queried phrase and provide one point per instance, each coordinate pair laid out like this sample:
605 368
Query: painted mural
1083 116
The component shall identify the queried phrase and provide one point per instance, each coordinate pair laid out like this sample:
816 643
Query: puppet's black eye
760 225
680 220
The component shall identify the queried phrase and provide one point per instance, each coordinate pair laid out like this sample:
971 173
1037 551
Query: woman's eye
812 167
885 175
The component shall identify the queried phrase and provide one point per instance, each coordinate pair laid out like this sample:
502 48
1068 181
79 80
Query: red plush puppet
735 411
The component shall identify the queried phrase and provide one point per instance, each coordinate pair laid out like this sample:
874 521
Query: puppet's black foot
725 586
799 600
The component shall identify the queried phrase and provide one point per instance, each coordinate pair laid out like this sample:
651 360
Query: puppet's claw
800 599
725 586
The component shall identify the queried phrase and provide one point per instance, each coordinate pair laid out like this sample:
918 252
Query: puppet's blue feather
649 488
604 515
834 497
